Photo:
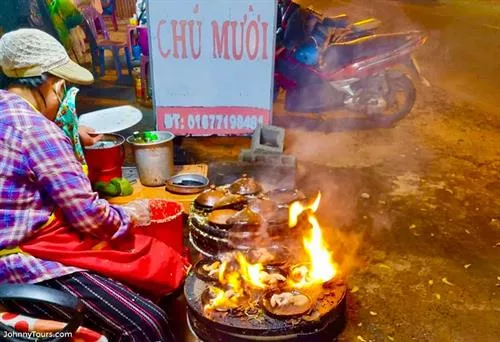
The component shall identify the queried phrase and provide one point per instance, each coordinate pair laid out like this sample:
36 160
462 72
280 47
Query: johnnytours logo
35 335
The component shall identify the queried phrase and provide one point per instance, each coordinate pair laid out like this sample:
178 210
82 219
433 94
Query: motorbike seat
339 21
342 54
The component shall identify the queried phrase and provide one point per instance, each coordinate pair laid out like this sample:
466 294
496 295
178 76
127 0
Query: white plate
111 120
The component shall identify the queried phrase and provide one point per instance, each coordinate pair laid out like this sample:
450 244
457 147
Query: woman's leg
110 307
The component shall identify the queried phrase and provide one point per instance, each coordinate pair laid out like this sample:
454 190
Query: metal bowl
188 183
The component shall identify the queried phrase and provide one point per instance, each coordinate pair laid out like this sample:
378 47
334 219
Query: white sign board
212 64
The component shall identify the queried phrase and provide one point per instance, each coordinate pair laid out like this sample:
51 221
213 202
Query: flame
250 272
297 208
218 300
234 281
322 268
239 277
222 271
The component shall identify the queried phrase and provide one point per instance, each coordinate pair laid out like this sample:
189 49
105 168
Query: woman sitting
40 176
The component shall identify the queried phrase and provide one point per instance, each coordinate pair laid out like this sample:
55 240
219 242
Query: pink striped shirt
38 173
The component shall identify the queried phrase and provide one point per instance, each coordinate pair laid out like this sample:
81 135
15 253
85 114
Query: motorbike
342 65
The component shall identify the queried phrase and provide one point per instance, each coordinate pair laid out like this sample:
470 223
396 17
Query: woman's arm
87 135
60 175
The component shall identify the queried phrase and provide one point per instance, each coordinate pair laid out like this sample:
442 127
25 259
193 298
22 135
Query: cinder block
268 139
259 158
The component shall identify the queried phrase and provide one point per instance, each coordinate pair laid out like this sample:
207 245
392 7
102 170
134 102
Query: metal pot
105 158
155 160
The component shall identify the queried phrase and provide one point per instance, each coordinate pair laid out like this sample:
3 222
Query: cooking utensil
105 158
288 310
231 201
269 256
203 274
209 197
155 160
189 183
245 186
220 218
284 197
245 217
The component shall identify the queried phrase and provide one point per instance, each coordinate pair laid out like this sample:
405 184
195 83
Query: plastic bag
139 212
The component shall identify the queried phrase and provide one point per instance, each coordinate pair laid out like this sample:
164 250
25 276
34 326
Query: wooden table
144 192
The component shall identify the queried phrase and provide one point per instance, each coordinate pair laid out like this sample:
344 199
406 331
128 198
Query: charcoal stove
240 326
285 288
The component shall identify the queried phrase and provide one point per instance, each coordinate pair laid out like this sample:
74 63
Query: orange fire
218 300
250 272
237 275
297 208
321 268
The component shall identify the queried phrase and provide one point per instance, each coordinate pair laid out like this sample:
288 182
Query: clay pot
245 186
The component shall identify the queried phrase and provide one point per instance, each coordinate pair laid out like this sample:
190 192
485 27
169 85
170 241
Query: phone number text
212 121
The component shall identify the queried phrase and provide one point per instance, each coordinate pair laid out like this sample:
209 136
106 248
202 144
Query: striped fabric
111 309
38 172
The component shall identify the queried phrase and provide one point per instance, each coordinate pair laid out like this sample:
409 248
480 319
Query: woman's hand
138 211
87 135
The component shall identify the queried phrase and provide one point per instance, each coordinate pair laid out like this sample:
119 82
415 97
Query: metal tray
188 183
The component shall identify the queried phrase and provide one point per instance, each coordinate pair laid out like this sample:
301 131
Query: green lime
111 189
124 185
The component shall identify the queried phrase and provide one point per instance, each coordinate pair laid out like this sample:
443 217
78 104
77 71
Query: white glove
139 212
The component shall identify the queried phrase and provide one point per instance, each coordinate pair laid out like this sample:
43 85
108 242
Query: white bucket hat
31 52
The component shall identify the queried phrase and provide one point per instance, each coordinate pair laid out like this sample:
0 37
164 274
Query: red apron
141 261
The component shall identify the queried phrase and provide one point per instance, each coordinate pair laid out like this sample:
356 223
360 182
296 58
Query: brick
285 160
268 139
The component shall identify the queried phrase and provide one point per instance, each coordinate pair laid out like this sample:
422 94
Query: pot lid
245 186
245 217
221 217
209 197
285 196
230 200
262 206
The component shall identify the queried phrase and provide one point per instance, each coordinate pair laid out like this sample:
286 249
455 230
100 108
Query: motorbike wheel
400 99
